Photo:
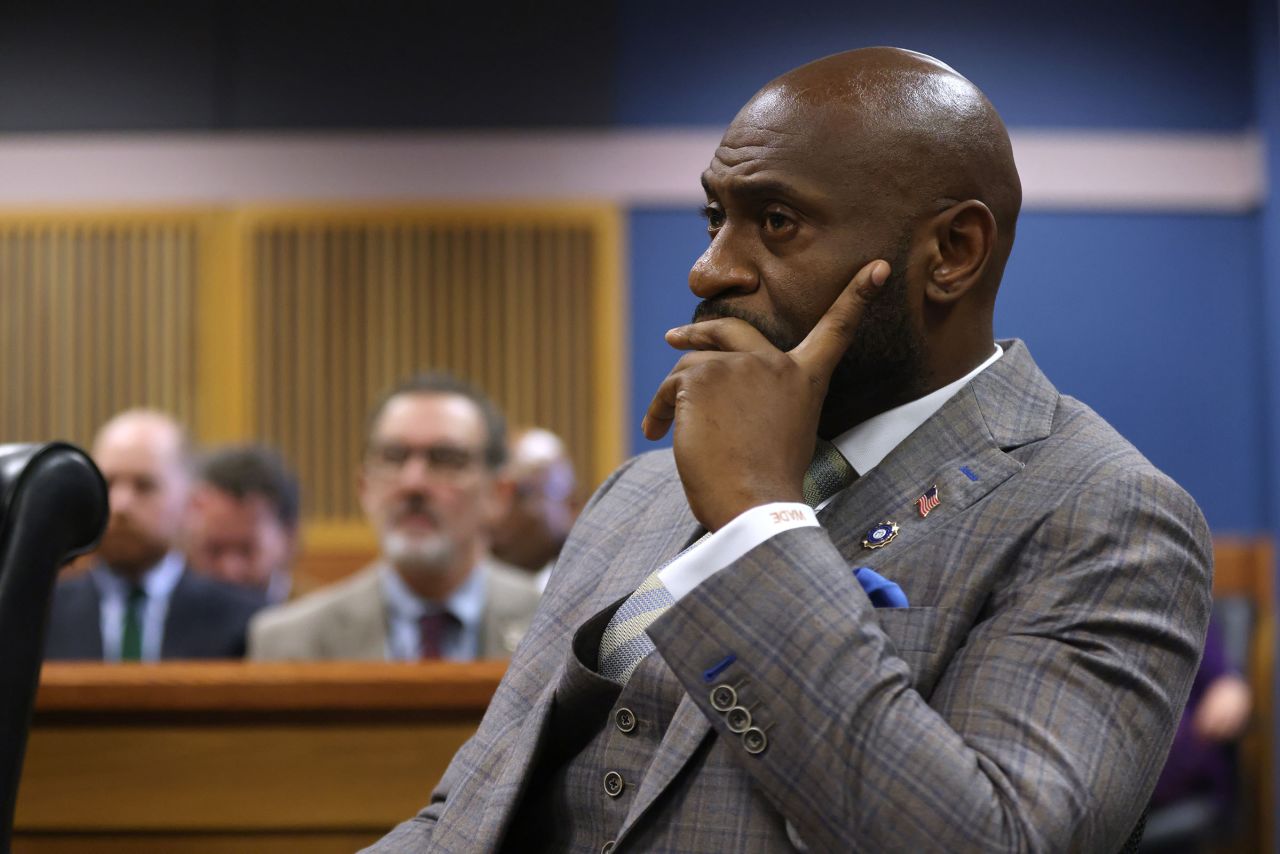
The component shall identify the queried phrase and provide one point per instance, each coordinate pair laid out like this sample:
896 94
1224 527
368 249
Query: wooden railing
233 757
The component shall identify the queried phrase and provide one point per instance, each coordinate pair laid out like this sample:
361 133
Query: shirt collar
867 444
466 602
158 581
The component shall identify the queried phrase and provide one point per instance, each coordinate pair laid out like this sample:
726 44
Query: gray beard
430 556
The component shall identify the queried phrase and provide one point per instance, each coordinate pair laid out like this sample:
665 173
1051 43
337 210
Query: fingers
722 333
822 348
662 409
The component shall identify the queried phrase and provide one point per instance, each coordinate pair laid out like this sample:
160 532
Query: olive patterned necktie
131 636
625 644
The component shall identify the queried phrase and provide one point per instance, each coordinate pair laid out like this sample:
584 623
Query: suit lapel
87 623
180 621
505 790
673 527
961 450
361 629
688 729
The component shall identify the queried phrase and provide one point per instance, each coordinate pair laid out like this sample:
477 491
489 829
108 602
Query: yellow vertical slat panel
90 303
609 345
224 354
522 301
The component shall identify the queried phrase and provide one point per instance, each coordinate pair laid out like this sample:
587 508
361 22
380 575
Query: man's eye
395 455
713 215
775 221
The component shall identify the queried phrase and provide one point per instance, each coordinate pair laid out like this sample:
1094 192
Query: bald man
890 591
544 506
139 602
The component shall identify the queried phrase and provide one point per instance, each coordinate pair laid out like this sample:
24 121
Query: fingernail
880 274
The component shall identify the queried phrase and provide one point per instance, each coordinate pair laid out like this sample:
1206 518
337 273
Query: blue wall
1090 64
1153 321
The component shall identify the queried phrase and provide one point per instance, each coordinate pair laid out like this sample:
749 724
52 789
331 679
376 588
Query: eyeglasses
442 460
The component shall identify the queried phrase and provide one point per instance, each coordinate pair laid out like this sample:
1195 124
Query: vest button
723 698
613 784
625 719
754 741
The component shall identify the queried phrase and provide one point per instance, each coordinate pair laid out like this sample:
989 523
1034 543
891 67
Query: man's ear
501 499
964 238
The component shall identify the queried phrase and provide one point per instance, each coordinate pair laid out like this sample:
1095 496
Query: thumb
827 342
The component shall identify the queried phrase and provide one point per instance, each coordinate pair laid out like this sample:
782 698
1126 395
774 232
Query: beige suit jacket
348 620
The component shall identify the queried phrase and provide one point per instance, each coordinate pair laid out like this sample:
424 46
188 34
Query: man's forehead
785 144
414 415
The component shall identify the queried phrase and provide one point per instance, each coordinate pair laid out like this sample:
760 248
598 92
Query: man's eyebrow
754 188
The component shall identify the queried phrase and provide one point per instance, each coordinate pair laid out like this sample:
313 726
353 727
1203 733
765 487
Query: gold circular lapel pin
881 535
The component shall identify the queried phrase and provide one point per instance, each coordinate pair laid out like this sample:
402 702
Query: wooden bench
234 757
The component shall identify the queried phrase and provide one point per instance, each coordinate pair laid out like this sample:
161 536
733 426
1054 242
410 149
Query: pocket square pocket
882 592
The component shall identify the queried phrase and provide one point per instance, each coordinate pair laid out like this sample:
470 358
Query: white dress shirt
113 596
864 446
405 608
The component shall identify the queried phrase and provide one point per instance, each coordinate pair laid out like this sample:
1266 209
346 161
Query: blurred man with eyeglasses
430 486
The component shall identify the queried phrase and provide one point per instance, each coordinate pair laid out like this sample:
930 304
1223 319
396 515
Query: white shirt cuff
748 530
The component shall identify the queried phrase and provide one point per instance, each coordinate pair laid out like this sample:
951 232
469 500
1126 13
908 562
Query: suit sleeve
1048 727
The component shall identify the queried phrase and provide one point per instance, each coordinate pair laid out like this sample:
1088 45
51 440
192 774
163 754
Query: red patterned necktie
433 629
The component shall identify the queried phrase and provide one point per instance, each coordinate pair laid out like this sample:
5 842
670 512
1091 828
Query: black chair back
53 507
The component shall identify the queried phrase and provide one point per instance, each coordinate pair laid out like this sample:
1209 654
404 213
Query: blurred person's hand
1224 709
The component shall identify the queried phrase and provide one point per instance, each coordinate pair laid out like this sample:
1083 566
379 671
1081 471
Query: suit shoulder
639 476
79 587
512 588
1087 465
214 594
1084 449
320 605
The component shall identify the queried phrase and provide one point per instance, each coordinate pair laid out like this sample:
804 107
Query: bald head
872 154
144 457
545 504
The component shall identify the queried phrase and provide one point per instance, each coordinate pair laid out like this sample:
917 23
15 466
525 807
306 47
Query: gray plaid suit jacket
1024 702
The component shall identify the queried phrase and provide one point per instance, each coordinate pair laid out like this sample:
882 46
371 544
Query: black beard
884 366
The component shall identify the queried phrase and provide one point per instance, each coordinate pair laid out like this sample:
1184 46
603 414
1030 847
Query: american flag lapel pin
928 501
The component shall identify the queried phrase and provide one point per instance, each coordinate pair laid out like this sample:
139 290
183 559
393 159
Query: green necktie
131 639
625 644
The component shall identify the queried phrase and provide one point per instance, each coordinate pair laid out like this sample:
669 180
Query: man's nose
415 475
234 567
723 270
119 498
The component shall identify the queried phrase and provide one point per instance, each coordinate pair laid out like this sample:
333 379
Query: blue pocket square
882 592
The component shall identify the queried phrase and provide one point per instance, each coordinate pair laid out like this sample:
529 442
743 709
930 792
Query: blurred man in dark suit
242 524
938 606
139 602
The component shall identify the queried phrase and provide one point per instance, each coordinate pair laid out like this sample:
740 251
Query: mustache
721 307
122 523
414 505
